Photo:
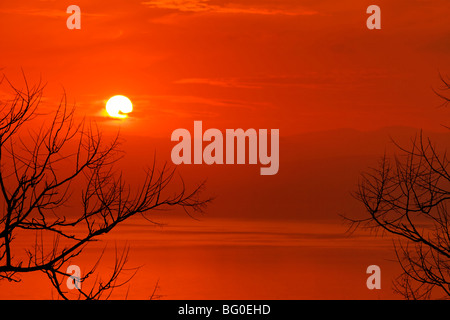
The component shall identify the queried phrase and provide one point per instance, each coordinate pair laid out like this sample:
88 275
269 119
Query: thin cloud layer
333 79
226 8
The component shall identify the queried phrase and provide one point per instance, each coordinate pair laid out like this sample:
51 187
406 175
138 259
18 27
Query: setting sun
224 154
118 107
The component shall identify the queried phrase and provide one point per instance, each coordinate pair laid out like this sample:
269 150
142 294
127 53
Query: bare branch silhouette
407 196
41 173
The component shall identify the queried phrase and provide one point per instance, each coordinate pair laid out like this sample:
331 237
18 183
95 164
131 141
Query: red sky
336 90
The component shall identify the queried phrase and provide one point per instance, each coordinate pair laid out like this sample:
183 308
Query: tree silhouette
43 171
408 196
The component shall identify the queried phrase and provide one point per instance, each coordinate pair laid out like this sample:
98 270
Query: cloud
254 232
311 80
220 82
194 105
225 8
173 105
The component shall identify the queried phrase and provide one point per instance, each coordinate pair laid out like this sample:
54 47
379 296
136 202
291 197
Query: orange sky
293 65
336 90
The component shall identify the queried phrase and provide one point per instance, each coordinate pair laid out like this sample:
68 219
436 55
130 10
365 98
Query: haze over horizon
337 92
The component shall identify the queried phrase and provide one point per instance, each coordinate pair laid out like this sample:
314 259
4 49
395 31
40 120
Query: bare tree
43 171
407 196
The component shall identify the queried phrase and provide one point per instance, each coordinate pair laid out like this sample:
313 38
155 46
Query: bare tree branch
41 174
408 197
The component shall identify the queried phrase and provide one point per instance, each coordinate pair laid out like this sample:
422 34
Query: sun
118 107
